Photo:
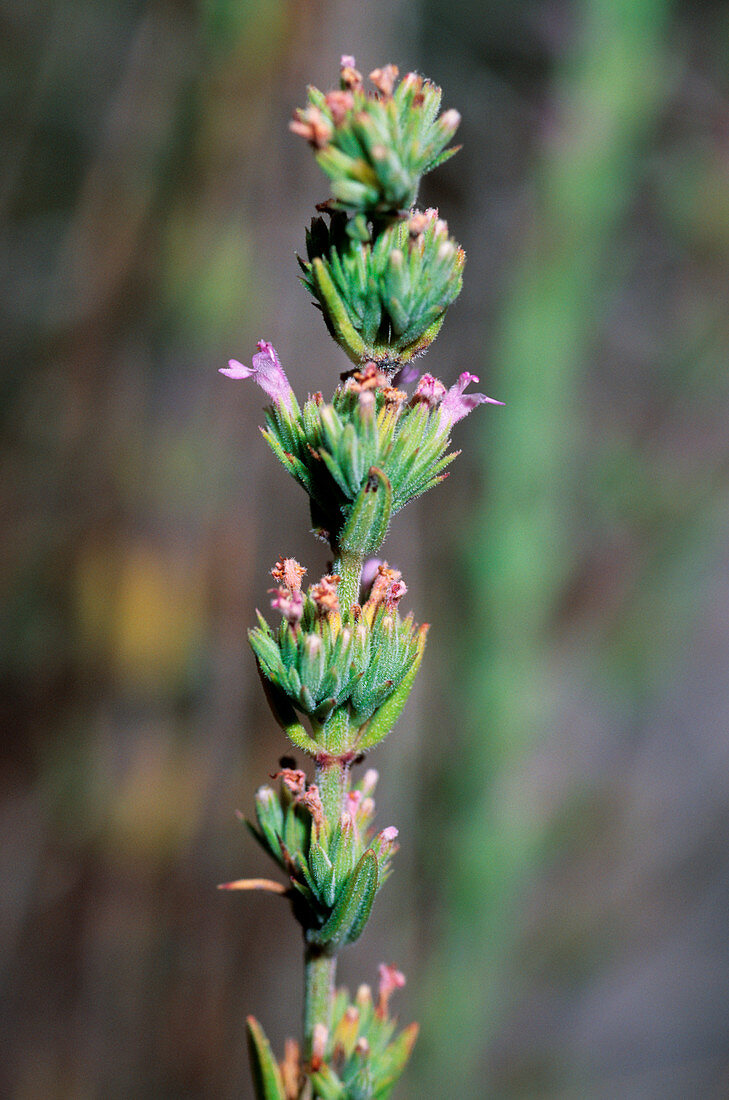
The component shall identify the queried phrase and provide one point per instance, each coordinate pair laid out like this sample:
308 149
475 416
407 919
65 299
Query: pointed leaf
267 1081
284 713
384 719
369 518
352 910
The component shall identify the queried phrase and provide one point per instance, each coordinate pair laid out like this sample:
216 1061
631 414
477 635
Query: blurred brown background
561 779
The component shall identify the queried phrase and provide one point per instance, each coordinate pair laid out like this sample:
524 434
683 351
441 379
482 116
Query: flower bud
369 781
319 1039
288 573
390 979
384 79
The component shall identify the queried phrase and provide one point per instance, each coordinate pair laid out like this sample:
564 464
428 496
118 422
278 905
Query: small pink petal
236 370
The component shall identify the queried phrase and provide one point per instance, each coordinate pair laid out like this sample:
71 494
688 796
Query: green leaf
327 1084
322 872
369 518
385 718
346 334
284 713
352 911
267 1081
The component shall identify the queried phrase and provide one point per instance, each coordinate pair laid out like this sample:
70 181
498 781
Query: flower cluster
359 1056
345 669
383 300
335 868
376 145
361 458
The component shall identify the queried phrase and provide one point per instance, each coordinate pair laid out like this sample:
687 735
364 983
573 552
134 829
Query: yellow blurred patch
143 608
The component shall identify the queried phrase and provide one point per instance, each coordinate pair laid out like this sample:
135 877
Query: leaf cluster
362 1059
377 149
335 869
332 451
383 300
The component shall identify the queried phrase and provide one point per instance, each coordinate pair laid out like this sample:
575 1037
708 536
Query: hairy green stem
320 970
349 568
332 779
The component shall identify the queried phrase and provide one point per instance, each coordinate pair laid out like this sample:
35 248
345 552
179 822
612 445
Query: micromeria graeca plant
339 664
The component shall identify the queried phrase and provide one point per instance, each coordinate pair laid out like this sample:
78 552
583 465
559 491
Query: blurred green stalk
519 553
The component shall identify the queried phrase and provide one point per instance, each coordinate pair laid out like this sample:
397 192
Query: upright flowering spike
268 373
340 662
456 404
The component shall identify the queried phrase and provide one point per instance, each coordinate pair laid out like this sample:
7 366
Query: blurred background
561 777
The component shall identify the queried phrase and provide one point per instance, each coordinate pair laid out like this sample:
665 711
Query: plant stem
320 970
332 779
349 568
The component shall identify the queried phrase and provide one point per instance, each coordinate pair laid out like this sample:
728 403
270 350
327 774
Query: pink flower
429 391
456 404
390 979
290 604
268 373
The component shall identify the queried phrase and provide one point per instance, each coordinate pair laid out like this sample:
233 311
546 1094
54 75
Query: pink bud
290 604
390 979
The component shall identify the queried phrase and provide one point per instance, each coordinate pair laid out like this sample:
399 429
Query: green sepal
444 156
295 831
327 1084
322 872
343 850
382 721
304 870
267 1081
366 527
343 330
270 817
352 911
393 1061
289 462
